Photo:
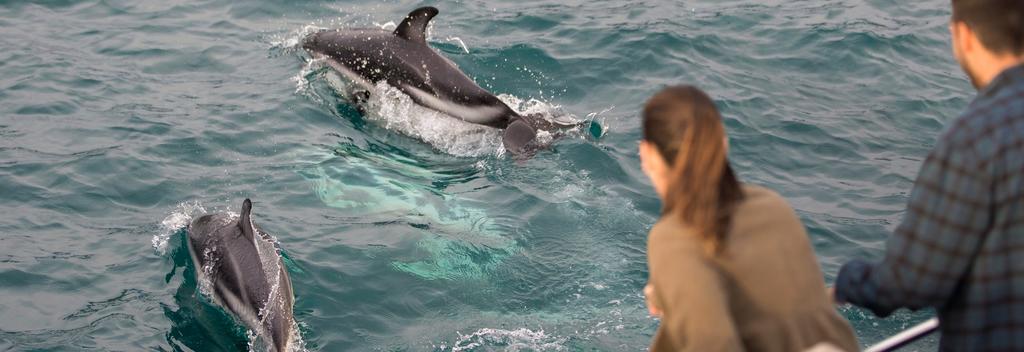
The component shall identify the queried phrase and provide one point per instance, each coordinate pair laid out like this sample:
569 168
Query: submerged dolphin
246 272
404 60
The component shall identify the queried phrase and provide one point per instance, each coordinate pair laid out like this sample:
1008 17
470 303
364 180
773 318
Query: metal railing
906 337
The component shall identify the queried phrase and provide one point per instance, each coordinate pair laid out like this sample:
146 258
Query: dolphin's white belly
346 73
482 114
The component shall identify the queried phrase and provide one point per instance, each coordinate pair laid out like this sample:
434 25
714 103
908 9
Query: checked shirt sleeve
946 222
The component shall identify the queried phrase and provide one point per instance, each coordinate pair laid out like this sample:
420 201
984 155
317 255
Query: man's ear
963 37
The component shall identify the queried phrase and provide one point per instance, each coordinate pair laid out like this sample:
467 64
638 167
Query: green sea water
122 120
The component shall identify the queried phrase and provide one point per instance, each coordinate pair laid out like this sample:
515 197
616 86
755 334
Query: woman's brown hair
686 128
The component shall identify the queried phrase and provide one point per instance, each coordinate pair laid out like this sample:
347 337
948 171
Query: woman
731 267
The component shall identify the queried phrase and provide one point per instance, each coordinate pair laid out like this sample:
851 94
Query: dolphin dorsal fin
414 26
244 222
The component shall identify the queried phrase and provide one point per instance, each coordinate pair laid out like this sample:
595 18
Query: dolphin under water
247 276
404 60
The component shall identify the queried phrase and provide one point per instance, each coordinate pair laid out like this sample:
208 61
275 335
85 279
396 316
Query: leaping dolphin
404 60
247 274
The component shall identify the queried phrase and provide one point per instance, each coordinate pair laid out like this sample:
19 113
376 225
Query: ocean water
120 121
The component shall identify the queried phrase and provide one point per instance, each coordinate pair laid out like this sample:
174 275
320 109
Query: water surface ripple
121 120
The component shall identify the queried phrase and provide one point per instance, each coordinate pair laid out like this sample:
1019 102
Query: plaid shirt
960 248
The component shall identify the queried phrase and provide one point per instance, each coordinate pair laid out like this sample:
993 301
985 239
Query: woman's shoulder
762 200
765 210
758 193
670 232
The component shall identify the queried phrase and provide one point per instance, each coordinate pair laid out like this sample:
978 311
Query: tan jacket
763 292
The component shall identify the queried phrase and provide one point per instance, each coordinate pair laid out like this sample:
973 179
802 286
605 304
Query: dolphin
247 276
404 60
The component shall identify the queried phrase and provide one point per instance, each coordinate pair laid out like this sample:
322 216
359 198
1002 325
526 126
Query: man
960 248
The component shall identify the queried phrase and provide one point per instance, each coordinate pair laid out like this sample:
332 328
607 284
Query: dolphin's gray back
227 258
418 70
232 262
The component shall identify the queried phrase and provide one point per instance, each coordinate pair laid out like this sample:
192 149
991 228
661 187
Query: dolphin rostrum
405 61
243 269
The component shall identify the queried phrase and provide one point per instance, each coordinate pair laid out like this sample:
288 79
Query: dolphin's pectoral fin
414 26
518 136
244 221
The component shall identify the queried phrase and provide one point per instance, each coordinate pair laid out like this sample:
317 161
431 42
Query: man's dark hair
999 24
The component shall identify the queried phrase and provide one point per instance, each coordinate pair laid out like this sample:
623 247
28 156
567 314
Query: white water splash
459 41
301 80
297 343
257 344
512 340
387 26
206 280
292 40
551 112
601 119
396 111
178 219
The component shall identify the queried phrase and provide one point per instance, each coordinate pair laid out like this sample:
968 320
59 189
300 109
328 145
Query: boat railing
906 337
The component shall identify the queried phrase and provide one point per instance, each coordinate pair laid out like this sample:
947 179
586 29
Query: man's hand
648 296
